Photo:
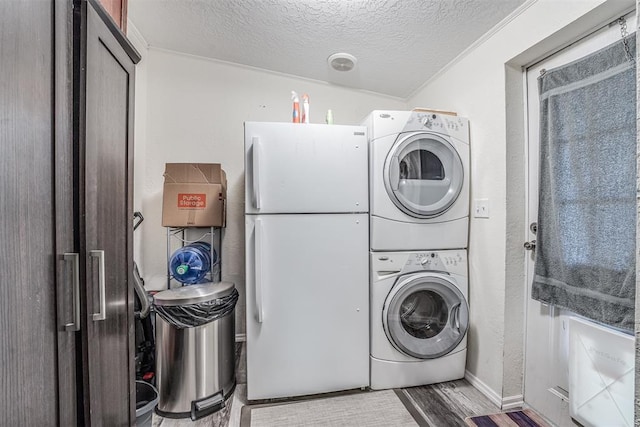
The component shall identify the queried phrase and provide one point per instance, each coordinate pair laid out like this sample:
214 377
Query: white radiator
601 375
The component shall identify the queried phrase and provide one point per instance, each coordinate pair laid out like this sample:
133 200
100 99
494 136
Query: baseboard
512 402
504 403
241 337
483 388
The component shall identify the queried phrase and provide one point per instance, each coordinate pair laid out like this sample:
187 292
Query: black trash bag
193 315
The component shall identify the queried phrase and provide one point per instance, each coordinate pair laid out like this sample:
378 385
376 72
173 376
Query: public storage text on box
194 195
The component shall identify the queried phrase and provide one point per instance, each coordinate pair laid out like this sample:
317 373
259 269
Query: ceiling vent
342 61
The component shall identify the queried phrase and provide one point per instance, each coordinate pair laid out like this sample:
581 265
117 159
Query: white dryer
419 171
419 317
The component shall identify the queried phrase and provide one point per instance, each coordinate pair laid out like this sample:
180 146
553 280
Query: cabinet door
66 219
107 179
37 381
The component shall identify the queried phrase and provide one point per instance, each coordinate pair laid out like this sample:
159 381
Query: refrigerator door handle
258 266
255 141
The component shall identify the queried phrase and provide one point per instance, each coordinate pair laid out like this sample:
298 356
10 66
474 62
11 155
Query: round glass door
423 175
425 316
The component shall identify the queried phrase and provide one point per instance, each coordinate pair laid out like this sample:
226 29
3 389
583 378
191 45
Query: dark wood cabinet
32 347
66 157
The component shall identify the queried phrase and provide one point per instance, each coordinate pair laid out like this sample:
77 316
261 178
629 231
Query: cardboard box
430 110
194 195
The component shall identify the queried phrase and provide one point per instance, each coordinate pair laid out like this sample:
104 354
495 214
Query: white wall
140 128
195 109
476 87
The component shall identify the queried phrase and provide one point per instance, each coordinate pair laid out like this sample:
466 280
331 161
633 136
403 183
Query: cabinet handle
102 314
137 215
75 262
258 267
256 171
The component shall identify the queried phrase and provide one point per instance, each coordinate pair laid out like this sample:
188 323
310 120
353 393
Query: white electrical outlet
481 208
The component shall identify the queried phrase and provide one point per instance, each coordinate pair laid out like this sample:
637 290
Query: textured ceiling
399 44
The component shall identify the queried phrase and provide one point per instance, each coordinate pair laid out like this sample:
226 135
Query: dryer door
423 174
425 315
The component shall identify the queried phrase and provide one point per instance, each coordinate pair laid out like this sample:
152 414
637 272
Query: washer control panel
450 261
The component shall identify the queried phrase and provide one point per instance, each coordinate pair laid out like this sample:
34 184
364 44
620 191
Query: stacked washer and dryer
419 222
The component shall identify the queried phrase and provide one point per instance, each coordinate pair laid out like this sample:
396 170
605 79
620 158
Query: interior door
307 304
423 174
546 380
108 155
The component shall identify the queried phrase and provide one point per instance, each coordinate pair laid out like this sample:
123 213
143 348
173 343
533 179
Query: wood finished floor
446 404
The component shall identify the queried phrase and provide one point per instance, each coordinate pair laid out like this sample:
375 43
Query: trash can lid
194 294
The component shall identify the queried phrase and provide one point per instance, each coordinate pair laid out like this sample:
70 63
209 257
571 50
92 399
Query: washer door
425 315
423 174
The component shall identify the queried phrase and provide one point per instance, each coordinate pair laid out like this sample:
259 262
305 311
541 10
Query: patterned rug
525 418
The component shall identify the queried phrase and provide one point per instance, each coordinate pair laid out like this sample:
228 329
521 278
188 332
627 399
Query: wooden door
37 351
117 9
107 121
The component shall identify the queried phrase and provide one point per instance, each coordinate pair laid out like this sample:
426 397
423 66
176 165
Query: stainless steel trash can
195 349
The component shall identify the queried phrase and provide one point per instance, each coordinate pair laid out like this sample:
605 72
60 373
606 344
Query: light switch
481 208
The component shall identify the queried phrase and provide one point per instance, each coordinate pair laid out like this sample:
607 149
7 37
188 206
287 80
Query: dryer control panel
449 261
454 126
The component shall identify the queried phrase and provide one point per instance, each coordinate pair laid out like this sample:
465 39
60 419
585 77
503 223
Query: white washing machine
419 317
419 169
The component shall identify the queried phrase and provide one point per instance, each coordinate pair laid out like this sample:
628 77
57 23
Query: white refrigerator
307 278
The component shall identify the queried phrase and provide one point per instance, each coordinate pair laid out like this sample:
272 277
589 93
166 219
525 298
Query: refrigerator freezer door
307 324
310 168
